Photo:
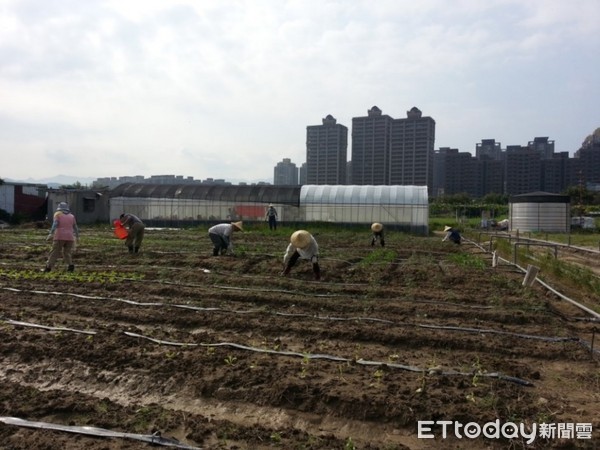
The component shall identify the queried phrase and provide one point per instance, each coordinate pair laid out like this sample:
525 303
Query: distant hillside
55 181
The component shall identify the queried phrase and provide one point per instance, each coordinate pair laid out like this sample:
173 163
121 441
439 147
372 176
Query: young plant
304 369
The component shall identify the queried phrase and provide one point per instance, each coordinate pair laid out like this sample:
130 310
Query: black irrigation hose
152 439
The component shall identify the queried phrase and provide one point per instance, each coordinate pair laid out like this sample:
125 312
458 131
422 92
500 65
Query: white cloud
216 89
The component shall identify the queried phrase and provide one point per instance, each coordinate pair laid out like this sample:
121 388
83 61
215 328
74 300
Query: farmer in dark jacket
136 231
451 235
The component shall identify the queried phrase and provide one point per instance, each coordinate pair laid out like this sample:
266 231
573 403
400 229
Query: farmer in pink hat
304 246
63 234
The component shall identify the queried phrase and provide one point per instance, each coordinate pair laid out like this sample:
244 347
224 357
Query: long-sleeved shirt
64 227
311 252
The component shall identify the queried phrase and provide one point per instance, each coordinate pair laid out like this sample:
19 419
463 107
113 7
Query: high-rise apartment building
303 174
460 173
523 170
285 173
326 152
371 148
411 150
388 151
555 173
492 176
489 148
542 146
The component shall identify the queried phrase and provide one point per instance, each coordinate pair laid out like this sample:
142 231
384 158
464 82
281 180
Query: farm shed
23 199
404 207
88 205
540 211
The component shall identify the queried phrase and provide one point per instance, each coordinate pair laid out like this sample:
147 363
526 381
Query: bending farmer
451 235
136 231
302 245
221 234
377 230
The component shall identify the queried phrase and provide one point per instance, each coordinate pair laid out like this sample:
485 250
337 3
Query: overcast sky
226 89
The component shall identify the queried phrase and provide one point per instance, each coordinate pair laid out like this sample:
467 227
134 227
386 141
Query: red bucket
120 230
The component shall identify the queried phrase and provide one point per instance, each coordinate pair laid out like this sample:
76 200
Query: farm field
224 353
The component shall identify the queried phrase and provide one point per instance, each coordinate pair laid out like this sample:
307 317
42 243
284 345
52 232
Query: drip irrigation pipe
360 361
553 339
309 356
153 439
429 302
44 327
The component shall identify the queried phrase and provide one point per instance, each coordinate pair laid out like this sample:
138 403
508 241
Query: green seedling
304 370
349 444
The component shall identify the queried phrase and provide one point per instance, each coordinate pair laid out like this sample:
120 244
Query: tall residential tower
326 152
285 173
388 151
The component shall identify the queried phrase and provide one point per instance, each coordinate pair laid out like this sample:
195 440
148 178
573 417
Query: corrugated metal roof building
540 211
404 207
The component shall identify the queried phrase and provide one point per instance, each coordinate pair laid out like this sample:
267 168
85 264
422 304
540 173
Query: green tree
495 199
76 185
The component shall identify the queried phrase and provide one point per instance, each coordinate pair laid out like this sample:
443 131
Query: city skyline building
518 169
285 173
388 151
411 150
302 174
326 152
371 148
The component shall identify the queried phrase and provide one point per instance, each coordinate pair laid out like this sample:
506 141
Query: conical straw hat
238 225
300 239
376 227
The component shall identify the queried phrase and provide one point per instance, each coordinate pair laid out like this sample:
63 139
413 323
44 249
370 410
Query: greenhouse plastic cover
364 195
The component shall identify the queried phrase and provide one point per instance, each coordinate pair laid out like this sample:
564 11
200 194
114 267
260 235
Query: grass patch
467 260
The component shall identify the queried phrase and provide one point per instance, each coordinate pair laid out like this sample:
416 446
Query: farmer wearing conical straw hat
377 230
451 235
302 245
221 235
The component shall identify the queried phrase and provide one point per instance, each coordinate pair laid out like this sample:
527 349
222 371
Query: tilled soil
224 353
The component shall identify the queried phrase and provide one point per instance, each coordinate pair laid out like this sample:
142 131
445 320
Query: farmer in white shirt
302 245
221 234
